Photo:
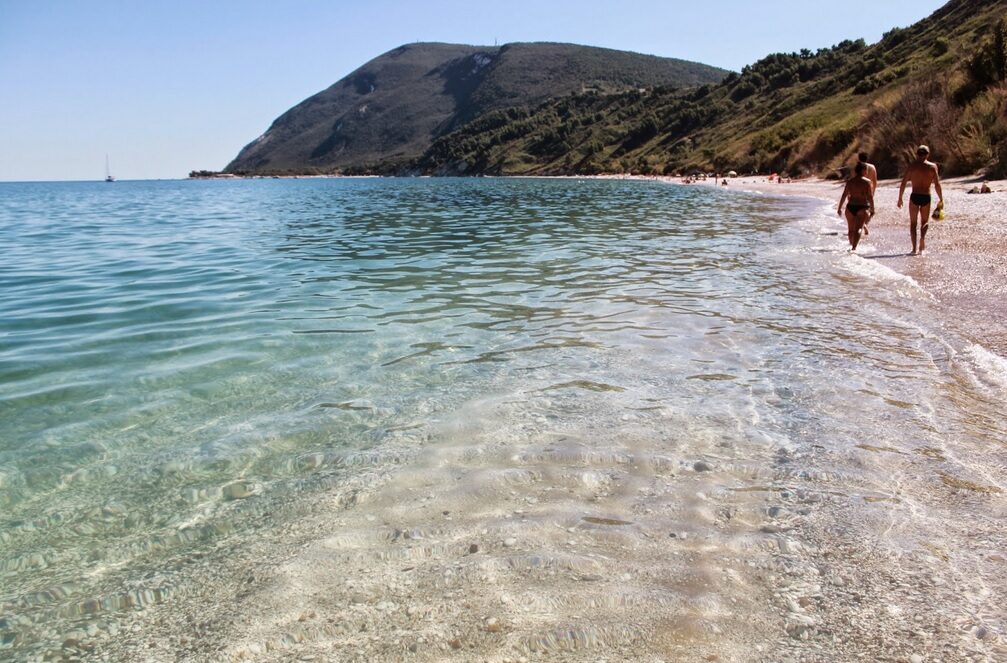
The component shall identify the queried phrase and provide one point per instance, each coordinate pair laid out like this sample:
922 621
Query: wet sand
963 265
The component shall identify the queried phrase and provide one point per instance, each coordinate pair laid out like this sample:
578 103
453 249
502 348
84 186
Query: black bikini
920 199
854 208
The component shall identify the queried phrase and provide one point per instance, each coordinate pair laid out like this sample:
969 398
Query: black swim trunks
920 199
855 209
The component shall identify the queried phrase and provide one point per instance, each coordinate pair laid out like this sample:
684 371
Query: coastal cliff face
389 111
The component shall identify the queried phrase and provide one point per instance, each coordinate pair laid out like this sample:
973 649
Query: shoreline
963 265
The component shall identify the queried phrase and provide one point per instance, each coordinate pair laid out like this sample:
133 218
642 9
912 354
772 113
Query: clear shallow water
186 368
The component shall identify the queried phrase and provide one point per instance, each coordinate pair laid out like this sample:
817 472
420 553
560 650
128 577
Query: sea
483 419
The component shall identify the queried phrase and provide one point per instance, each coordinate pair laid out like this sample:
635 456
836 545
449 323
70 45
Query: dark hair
861 168
863 157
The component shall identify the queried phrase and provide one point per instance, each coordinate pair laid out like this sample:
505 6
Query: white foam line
872 269
989 367
824 222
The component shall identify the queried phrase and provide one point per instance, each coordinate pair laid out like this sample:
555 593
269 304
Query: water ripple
188 367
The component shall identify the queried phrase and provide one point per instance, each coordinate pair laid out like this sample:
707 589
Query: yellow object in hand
939 213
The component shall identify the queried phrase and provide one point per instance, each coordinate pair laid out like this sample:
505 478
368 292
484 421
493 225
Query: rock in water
238 490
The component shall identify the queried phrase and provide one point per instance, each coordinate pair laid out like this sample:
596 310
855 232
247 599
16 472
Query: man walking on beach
923 174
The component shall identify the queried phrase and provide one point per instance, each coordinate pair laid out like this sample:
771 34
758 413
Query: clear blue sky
165 87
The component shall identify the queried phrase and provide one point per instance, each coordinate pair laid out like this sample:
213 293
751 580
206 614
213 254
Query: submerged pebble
237 491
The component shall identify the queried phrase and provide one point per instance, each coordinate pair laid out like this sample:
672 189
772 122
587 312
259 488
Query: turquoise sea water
186 366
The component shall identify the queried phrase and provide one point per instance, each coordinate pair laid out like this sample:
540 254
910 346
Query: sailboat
108 171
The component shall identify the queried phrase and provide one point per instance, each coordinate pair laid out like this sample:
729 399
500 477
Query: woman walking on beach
861 206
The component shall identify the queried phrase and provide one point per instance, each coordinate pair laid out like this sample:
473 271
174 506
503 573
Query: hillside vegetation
387 113
940 81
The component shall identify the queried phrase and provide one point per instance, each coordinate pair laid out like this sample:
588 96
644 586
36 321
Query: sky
164 87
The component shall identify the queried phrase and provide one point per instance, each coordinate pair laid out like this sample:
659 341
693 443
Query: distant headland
563 109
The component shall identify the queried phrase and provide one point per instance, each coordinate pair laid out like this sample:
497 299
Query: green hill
387 113
940 81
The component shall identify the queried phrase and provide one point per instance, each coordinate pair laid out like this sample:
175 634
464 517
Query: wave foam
872 269
990 368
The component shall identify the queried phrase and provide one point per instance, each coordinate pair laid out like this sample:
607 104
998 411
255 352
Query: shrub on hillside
701 92
642 132
894 37
895 130
981 131
785 78
829 143
989 65
743 90
873 82
964 140
999 169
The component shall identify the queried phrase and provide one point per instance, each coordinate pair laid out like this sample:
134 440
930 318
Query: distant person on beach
924 174
861 206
